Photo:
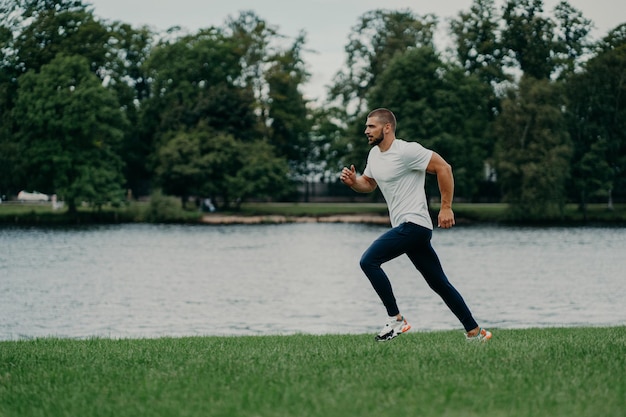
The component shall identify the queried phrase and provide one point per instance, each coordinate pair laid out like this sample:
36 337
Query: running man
399 168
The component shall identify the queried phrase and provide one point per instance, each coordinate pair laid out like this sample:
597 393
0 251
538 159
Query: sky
327 23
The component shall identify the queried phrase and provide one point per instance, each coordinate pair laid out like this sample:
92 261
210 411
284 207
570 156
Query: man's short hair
385 116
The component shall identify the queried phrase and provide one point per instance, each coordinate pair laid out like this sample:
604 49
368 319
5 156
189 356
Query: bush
167 209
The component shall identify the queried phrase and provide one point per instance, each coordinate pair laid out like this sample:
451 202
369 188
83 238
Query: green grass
533 372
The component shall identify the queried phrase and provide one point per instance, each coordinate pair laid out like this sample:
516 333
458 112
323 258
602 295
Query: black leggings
414 240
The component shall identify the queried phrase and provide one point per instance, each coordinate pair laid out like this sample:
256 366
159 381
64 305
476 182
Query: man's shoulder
403 142
404 145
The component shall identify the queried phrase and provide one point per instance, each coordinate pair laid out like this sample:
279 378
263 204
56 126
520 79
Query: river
145 281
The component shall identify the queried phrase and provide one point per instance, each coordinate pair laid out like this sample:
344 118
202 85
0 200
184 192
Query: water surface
144 280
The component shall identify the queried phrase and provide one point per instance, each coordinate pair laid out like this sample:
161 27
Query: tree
529 37
572 33
193 82
253 39
193 79
180 169
440 106
478 48
597 121
533 151
125 73
32 32
326 135
69 128
378 36
205 163
374 41
236 83
259 173
275 75
60 26
8 151
288 117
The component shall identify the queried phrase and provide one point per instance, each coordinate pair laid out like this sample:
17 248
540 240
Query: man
399 168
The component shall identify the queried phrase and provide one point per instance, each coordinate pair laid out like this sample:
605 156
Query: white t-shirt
400 172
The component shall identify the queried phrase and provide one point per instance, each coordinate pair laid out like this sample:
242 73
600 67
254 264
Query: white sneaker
393 328
482 336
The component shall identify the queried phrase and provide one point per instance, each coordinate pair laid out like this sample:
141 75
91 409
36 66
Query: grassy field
566 372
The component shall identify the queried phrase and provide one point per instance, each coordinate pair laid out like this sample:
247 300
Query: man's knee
367 262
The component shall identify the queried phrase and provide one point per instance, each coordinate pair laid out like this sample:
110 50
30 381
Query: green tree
193 79
289 122
39 30
377 37
236 83
8 150
543 45
125 74
60 26
597 121
529 37
208 164
193 82
258 173
477 46
253 39
276 75
533 151
180 167
326 135
572 38
69 128
440 106
31 33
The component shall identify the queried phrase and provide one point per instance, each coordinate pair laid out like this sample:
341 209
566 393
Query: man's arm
445 179
360 184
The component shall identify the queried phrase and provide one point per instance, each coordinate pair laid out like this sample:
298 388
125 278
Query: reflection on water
151 280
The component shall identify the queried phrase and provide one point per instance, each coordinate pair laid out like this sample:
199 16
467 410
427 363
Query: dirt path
346 218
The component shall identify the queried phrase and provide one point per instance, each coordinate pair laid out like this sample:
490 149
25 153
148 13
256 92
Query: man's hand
348 176
445 220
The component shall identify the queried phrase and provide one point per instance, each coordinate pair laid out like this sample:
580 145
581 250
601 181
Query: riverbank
278 219
278 213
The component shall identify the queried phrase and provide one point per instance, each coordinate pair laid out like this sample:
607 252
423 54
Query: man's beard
377 140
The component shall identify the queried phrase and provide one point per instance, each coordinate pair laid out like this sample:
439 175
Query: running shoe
393 328
482 336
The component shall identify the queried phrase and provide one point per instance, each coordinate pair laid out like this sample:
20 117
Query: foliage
374 41
167 209
69 128
597 114
201 163
571 38
193 81
258 173
541 45
440 107
533 151
288 119
146 98
478 46
529 37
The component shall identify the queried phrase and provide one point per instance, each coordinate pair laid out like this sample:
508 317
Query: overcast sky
326 22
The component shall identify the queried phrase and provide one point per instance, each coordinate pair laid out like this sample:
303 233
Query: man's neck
386 143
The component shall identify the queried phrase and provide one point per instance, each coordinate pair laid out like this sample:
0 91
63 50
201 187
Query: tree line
526 106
